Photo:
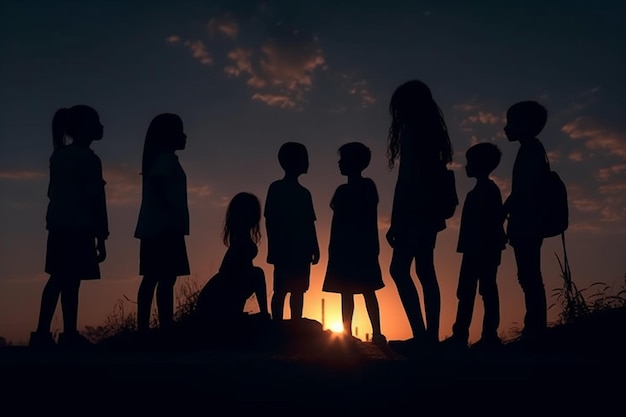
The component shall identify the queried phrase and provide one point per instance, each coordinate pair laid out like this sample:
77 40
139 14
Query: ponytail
59 123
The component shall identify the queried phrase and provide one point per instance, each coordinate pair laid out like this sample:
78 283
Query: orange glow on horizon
336 327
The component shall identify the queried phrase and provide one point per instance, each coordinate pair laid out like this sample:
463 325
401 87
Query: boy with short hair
525 120
291 236
481 241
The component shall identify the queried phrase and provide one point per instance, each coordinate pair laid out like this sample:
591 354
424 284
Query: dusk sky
247 76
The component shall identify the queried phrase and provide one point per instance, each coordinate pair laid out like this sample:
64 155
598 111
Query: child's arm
167 187
309 215
94 188
261 295
316 248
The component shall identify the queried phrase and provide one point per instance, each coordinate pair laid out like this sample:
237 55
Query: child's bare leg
373 310
347 310
278 304
296 304
144 301
49 300
165 301
69 306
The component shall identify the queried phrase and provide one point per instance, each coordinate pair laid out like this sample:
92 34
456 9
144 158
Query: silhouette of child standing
481 241
418 138
353 266
222 300
163 219
76 221
525 120
291 236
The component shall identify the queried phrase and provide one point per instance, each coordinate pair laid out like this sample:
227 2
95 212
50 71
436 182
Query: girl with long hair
163 219
418 140
222 300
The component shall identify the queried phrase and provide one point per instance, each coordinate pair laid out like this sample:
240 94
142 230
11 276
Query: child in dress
418 139
163 219
222 300
76 221
353 266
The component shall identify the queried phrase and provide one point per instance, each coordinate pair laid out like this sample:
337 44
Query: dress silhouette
353 266
418 139
163 220
76 220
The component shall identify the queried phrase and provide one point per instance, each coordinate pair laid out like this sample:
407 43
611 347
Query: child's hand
101 250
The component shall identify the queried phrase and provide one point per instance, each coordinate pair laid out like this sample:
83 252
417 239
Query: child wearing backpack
525 207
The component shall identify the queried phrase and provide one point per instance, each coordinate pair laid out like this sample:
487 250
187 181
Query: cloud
360 89
585 204
467 107
483 117
23 175
598 207
282 101
241 62
199 51
617 188
283 68
605 173
553 156
596 137
576 156
225 25
610 214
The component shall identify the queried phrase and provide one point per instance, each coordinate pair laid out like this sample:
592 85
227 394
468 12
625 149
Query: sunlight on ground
336 327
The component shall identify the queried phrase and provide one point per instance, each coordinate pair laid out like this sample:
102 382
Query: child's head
412 105
354 157
80 122
525 120
243 216
482 159
293 158
165 134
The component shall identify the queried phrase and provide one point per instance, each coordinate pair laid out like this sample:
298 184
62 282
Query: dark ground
578 366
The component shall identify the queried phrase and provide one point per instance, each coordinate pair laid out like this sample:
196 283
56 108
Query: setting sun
336 327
